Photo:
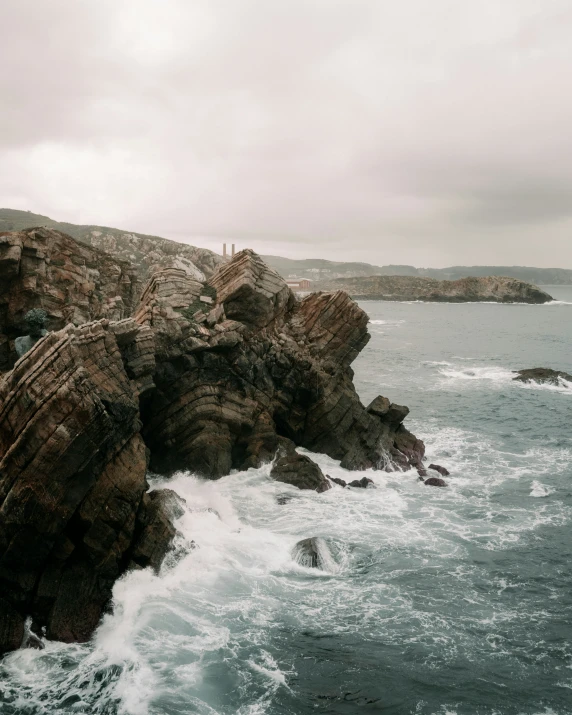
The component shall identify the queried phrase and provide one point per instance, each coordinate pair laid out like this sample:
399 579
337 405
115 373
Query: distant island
497 289
318 269
151 252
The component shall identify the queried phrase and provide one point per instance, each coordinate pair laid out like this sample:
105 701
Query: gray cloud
416 132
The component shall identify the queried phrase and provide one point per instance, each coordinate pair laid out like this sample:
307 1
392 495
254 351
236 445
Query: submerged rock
337 480
435 482
438 468
314 553
362 483
543 375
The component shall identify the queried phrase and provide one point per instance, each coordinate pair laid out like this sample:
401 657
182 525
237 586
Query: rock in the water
362 483
314 553
438 468
337 480
435 482
298 470
544 375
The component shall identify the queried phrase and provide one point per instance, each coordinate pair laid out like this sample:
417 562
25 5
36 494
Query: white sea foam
540 490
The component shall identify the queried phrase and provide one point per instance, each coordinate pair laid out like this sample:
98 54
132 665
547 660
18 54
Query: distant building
299 283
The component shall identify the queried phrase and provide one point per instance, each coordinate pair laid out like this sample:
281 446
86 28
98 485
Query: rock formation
204 377
42 268
146 254
74 512
484 289
227 388
544 375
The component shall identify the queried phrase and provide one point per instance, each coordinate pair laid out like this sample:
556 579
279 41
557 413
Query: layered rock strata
74 512
255 366
206 377
42 268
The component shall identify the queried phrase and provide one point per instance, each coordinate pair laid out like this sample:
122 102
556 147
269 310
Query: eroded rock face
228 389
72 476
42 268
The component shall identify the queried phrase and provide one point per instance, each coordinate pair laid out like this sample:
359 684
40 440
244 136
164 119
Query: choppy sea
455 601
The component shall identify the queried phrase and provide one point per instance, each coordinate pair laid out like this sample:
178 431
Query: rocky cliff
74 512
43 268
486 289
206 376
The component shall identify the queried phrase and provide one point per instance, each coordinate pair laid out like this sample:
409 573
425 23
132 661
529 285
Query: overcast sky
428 132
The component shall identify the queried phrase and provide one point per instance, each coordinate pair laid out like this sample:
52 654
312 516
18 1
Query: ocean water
452 601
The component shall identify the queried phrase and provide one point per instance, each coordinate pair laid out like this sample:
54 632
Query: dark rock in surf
435 482
337 480
543 376
438 468
362 483
298 470
311 553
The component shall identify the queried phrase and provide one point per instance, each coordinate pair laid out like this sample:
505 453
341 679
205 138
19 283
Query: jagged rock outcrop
496 289
228 389
74 512
205 377
544 375
43 268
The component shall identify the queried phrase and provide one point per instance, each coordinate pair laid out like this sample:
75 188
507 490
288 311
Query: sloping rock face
228 388
495 289
146 253
42 268
74 512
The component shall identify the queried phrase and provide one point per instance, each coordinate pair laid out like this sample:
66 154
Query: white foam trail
540 490
386 322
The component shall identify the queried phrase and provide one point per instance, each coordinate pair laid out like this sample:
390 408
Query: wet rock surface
435 482
543 376
298 469
72 477
438 468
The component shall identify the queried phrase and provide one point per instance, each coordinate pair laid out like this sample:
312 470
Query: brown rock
72 478
438 468
250 291
42 268
298 469
435 482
